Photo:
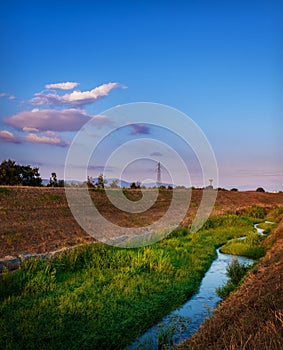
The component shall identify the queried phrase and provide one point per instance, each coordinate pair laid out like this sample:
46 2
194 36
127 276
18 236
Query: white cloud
62 86
48 119
7 136
75 98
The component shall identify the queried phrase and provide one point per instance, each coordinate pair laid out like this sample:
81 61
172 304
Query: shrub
260 189
235 272
255 212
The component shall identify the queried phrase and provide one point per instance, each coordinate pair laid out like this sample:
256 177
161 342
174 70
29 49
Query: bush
255 212
260 189
235 272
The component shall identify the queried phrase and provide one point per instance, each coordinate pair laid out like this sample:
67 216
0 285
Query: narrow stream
182 323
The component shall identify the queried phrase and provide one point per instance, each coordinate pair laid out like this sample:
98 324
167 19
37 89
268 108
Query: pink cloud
48 119
49 137
10 97
7 136
75 98
101 120
62 86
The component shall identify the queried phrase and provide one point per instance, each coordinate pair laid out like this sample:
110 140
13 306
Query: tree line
13 174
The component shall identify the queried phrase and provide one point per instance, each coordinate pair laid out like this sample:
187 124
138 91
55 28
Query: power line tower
158 180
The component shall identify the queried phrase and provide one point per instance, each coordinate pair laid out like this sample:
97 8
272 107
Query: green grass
4 190
101 297
275 214
252 246
235 272
267 227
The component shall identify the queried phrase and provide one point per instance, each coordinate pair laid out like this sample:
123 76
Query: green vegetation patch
267 227
101 297
236 273
275 214
252 246
255 211
4 190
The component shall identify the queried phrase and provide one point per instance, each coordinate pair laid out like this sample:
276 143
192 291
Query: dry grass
252 318
38 220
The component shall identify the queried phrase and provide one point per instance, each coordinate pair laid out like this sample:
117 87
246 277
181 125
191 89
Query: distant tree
53 180
15 174
234 189
30 176
114 183
260 189
170 187
135 185
61 183
101 182
90 182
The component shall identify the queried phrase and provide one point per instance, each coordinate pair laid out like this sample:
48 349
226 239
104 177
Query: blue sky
219 62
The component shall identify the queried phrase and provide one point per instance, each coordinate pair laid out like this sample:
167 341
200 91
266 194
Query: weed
250 247
4 190
235 272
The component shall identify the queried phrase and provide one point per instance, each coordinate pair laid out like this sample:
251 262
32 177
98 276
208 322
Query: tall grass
250 247
101 297
235 272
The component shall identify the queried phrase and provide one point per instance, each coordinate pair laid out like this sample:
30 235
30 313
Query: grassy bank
253 245
101 297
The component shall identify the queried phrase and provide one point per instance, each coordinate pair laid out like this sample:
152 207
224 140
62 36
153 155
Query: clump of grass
4 190
266 227
250 247
275 214
256 212
235 272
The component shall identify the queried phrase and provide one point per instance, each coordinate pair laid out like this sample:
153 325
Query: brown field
38 220
252 318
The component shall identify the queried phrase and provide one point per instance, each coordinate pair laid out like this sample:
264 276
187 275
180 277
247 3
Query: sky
64 63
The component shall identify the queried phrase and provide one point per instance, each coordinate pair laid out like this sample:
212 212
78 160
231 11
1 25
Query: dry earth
38 220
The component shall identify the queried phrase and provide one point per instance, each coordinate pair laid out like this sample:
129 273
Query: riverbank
252 317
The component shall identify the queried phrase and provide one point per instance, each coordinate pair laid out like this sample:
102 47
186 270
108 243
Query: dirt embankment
252 318
38 220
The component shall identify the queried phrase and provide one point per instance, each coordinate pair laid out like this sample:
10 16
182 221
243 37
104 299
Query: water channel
182 323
